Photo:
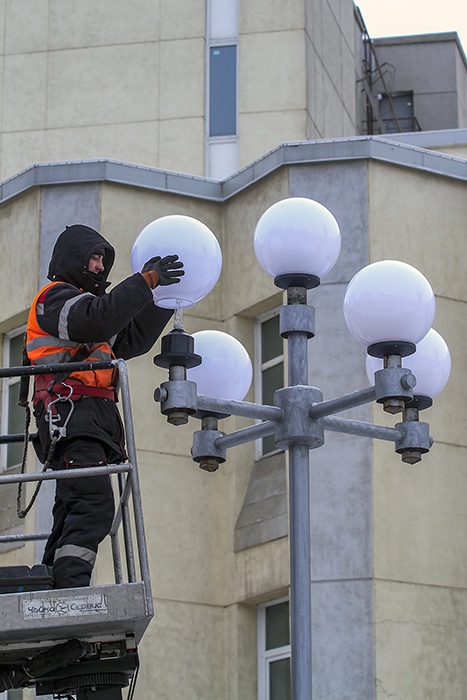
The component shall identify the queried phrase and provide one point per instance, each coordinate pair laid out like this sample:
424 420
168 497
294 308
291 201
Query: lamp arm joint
341 403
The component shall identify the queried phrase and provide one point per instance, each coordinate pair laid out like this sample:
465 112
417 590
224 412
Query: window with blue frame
223 91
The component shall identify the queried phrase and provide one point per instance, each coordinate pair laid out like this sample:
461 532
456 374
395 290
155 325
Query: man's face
95 263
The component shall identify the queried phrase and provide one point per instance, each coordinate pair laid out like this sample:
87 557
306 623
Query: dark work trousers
82 514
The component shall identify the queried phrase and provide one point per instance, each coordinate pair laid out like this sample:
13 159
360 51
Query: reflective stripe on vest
44 349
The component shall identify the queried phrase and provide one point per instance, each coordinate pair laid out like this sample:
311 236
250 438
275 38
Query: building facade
116 82
209 90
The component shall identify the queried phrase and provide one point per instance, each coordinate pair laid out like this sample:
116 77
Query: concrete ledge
400 149
264 515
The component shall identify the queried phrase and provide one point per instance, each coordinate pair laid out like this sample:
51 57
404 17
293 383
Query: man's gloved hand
163 271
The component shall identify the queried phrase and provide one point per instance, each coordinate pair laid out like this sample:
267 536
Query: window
223 91
13 416
222 86
269 367
274 651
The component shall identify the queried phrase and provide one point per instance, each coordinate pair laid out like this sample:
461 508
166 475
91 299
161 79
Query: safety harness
65 387
52 390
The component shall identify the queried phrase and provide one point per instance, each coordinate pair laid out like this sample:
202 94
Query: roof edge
429 38
399 149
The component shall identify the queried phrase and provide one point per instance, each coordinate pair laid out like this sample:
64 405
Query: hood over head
71 254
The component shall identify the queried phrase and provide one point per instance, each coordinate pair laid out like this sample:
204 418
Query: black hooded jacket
81 310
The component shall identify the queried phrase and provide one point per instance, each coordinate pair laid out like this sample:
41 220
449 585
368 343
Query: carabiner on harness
53 418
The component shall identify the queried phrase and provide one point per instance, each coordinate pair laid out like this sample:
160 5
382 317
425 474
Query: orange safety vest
44 349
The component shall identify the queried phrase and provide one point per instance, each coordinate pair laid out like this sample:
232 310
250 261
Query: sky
399 17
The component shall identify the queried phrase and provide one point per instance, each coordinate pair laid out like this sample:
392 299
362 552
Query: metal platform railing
128 486
109 615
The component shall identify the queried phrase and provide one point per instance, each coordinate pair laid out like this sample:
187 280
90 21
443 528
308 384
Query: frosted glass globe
297 236
389 301
197 248
430 363
226 371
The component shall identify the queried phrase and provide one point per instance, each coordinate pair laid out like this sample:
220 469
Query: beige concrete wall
272 72
458 150
420 641
19 236
108 80
245 284
200 586
419 511
420 218
297 73
332 63
127 81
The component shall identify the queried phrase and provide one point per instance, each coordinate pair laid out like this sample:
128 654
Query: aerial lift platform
81 642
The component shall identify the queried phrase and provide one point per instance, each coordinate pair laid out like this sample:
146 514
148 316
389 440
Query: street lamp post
389 307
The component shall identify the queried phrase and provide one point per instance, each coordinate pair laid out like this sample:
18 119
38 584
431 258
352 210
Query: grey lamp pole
299 500
299 418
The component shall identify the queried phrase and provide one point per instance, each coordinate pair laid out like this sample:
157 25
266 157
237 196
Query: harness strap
82 354
46 388
85 390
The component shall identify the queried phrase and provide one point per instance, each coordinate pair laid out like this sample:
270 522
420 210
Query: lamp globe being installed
297 241
389 306
195 245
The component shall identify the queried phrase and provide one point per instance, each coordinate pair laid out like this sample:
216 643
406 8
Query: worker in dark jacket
73 319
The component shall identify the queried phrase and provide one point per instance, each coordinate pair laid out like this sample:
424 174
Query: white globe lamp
389 306
197 248
430 363
297 241
226 370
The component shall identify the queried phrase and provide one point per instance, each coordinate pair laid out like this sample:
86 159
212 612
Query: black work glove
169 269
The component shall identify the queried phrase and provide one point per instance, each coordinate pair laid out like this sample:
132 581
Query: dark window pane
268 444
223 91
271 340
273 378
279 680
16 421
16 351
277 626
